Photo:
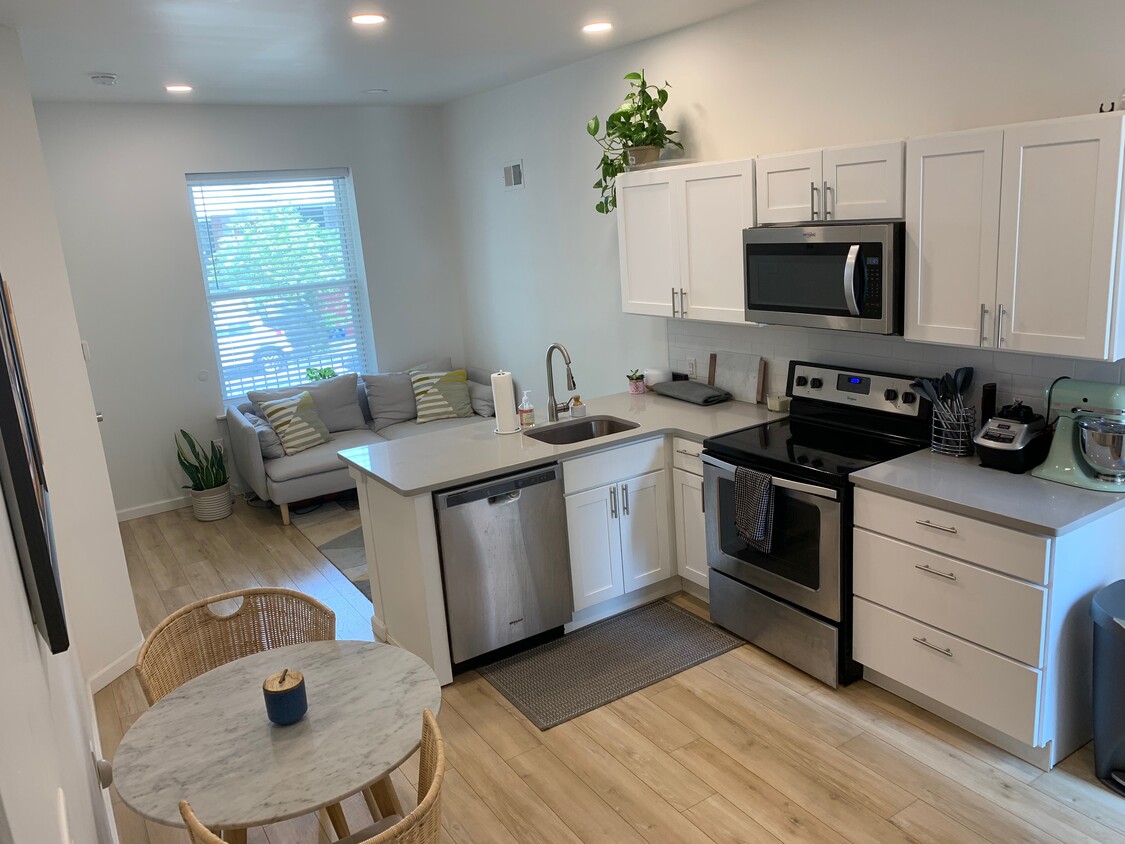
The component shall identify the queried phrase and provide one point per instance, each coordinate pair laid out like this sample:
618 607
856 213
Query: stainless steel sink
579 430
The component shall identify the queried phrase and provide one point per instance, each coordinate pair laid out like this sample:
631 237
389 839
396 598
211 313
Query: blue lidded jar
286 702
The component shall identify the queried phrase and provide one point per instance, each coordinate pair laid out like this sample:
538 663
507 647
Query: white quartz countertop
962 485
473 452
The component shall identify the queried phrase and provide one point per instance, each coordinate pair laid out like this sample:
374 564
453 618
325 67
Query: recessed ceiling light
178 89
102 78
368 19
376 91
598 26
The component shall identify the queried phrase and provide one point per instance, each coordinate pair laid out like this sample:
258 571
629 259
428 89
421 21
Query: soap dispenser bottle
577 408
526 411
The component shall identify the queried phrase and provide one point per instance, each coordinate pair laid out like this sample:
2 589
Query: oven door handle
780 483
849 280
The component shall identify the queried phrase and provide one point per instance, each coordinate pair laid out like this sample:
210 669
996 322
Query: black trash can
1108 612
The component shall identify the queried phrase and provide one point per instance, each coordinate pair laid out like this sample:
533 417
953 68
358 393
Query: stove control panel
854 388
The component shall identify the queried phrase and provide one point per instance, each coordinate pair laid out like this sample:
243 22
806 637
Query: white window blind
282 269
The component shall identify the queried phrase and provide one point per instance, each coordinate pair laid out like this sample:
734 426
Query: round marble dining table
209 742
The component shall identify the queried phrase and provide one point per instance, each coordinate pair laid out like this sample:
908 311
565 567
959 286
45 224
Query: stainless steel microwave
846 276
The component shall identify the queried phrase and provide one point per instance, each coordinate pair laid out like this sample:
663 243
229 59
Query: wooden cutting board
740 375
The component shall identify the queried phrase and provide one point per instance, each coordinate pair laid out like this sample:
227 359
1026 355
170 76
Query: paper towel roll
504 398
655 376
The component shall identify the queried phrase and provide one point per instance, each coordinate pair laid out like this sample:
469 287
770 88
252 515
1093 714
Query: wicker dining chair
423 825
195 639
196 831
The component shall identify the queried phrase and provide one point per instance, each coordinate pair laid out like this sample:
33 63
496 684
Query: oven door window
798 523
806 278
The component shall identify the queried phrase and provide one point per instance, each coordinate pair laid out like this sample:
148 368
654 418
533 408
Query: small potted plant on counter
636 383
210 484
634 135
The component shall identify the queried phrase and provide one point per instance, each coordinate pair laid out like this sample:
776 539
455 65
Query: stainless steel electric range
794 601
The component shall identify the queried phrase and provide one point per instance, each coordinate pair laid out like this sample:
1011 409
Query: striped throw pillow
296 422
441 395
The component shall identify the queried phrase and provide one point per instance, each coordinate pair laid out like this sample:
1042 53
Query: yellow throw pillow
296 422
441 395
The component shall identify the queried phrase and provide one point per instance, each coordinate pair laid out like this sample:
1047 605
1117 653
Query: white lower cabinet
691 527
619 538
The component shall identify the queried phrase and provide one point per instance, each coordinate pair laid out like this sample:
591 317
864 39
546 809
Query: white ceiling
308 51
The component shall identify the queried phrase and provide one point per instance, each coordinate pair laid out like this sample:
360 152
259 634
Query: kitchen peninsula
396 479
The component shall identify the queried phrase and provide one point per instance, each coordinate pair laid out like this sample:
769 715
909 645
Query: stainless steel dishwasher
505 560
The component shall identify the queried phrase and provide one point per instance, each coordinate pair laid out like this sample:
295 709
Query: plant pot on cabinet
209 505
642 155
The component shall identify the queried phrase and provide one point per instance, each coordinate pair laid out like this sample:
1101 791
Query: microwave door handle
780 483
849 280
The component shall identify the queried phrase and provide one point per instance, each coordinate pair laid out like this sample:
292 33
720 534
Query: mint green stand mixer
1088 449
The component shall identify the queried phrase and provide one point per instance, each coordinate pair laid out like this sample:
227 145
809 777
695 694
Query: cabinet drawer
989 609
612 465
993 689
1009 551
685 455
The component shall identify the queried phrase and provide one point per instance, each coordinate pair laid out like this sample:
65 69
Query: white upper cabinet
952 224
1012 238
842 183
680 238
1059 225
648 250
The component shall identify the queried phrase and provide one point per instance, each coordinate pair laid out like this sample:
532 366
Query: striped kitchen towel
753 508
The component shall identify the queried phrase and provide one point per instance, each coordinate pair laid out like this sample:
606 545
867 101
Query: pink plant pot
637 388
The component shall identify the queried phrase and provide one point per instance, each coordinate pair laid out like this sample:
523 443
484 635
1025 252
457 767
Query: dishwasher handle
499 491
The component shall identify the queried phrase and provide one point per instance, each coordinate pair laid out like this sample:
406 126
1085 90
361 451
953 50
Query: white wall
91 561
117 175
47 726
541 265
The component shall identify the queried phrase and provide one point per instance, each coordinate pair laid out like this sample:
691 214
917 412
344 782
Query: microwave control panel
872 284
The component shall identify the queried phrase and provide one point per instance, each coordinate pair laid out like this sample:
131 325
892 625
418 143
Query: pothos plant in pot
207 471
634 134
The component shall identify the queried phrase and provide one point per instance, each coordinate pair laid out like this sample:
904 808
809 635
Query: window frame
364 324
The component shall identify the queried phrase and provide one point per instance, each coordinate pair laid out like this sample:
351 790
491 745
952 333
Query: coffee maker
1088 450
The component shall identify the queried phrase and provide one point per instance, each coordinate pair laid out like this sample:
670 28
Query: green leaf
593 126
663 95
633 77
601 209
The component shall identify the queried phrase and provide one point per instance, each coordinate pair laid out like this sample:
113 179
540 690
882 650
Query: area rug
334 528
596 665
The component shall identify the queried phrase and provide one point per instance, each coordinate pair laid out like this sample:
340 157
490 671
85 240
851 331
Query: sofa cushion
321 458
402 430
480 396
268 441
441 395
335 400
390 396
296 422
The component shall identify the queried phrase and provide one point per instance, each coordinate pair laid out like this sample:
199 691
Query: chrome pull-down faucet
554 408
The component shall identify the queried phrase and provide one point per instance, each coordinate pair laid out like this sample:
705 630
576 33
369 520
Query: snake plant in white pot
207 471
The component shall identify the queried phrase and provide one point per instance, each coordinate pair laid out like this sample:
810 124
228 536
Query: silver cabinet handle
932 646
625 499
929 524
929 570
1000 326
824 199
812 199
683 307
613 502
99 417
849 280
688 453
983 314
674 303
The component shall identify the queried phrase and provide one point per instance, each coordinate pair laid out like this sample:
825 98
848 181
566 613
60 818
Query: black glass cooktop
803 448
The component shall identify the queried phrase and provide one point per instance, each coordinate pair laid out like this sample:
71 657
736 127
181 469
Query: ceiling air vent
513 175
101 78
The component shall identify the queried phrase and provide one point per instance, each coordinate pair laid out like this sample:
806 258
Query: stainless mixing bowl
1103 447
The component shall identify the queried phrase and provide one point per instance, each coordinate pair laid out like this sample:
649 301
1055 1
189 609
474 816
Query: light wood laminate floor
740 749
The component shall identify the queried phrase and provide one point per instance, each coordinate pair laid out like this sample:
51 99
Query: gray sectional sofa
357 410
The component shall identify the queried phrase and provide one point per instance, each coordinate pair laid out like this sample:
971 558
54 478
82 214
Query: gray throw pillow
390 395
335 400
480 397
268 440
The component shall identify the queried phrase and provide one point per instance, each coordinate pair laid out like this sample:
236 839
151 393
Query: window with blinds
283 273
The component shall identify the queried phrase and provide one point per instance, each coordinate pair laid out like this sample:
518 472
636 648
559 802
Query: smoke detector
99 78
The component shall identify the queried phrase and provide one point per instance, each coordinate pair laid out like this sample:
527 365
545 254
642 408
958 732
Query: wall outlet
692 368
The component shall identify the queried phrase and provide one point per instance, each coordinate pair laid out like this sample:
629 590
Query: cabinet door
952 235
650 267
863 183
646 553
592 519
718 203
788 187
1058 225
691 530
